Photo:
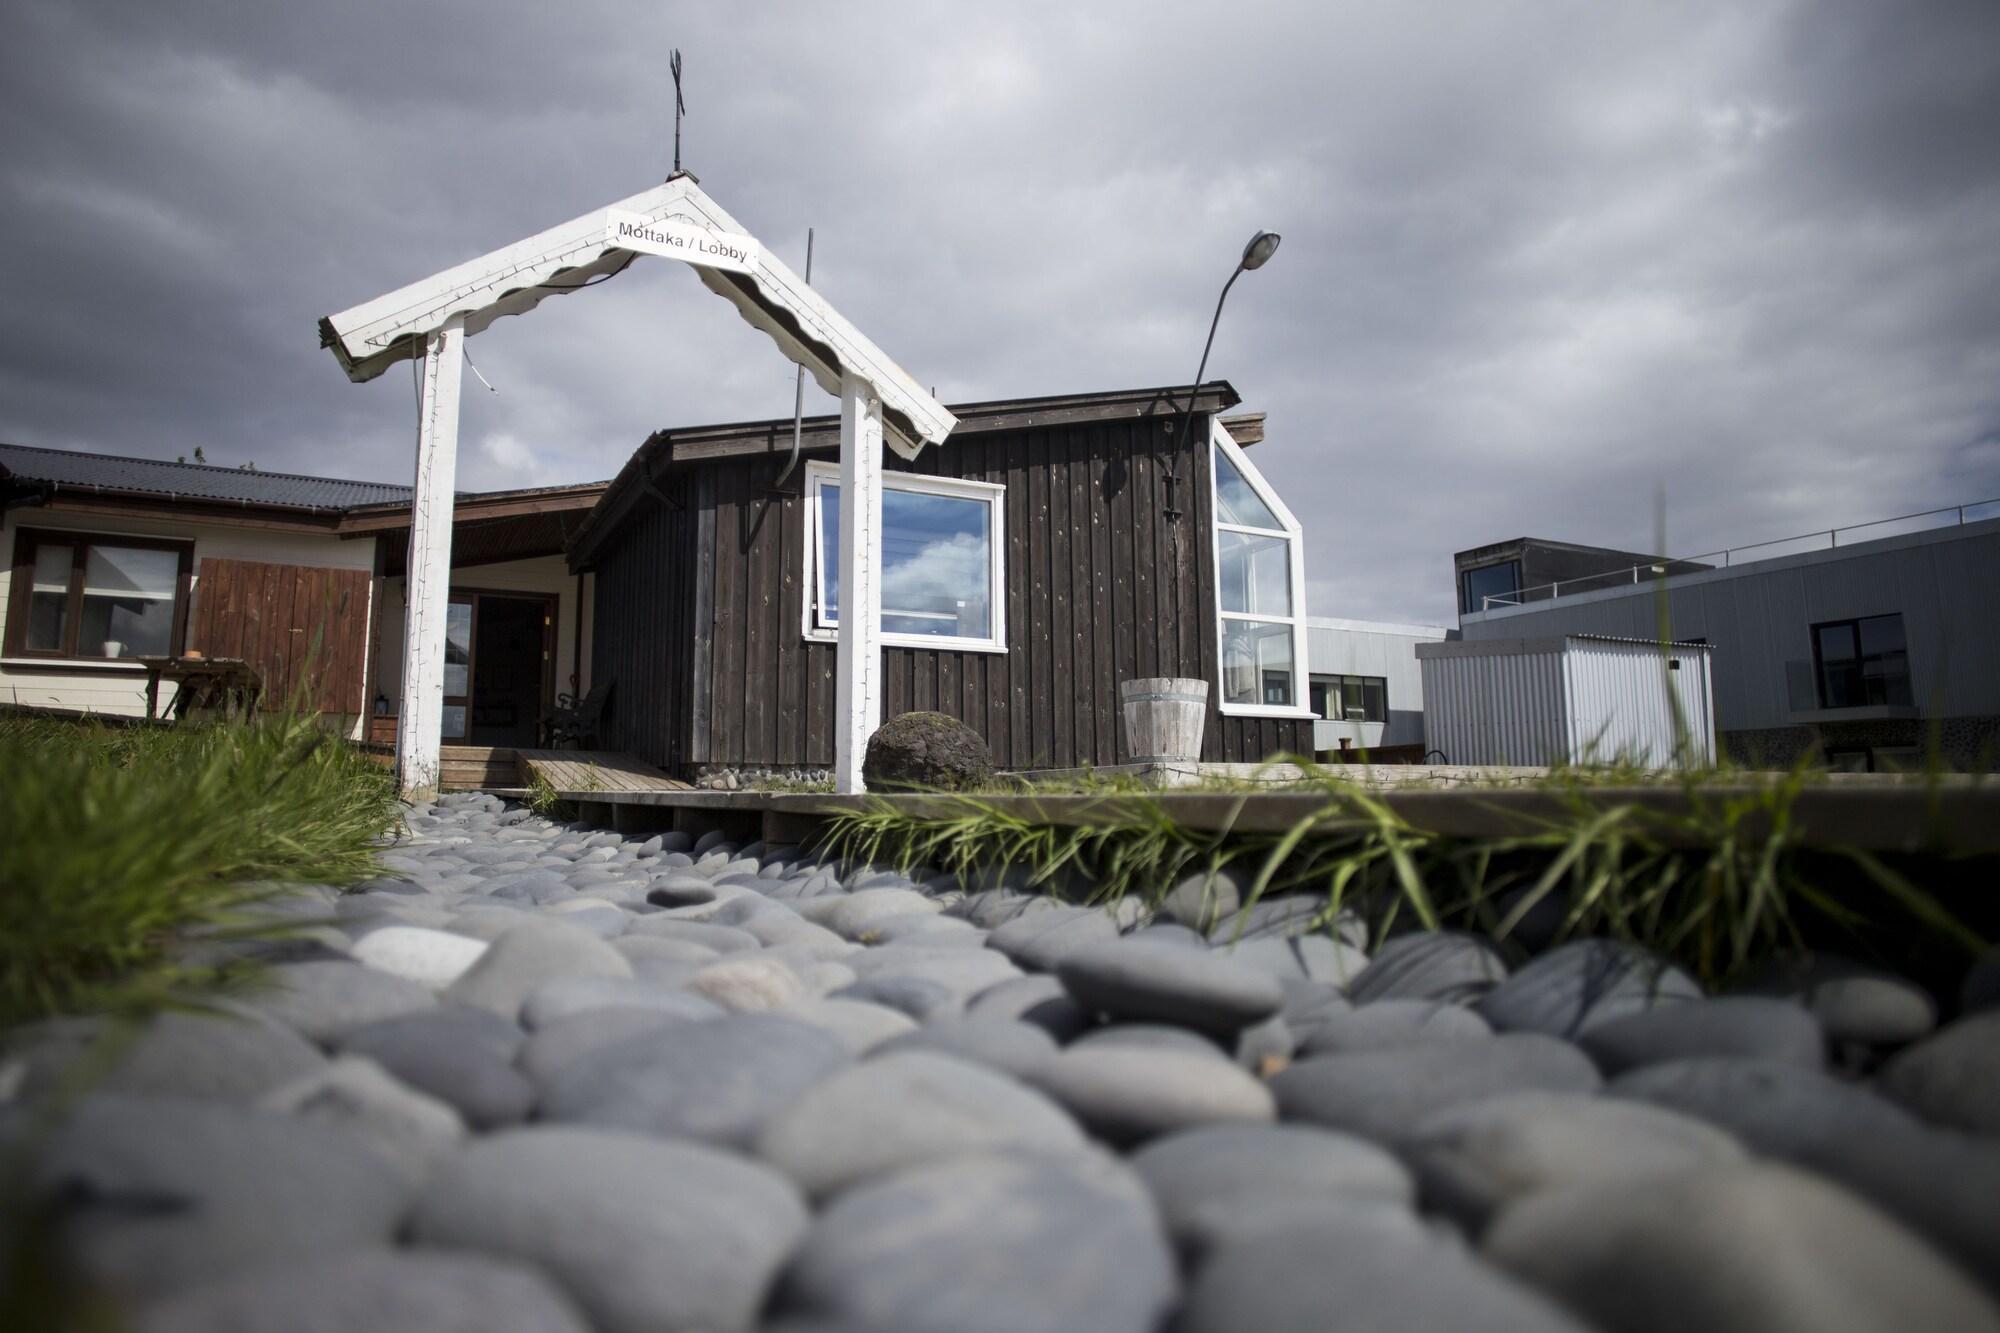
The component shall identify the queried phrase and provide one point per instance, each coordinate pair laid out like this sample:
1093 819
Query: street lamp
1255 255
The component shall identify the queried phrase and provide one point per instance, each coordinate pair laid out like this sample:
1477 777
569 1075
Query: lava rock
928 751
1429 965
1753 1027
720 1081
1474 1159
1128 1094
408 1291
998 1243
1381 1095
1735 1249
643 1235
1134 980
1215 1181
1583 983
902 1110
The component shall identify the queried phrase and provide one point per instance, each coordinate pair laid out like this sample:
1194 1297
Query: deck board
576 773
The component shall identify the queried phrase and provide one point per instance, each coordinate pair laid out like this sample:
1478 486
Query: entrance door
511 660
498 653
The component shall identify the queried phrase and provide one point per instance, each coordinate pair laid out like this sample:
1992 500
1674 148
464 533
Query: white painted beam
858 680
427 585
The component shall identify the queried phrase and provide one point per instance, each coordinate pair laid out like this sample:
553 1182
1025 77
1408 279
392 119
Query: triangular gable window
1236 500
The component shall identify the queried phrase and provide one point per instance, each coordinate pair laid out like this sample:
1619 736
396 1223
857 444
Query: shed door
291 622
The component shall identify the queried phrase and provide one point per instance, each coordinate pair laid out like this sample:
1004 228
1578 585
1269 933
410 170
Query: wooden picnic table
229 684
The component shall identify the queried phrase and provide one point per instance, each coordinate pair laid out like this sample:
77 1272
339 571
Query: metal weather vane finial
680 107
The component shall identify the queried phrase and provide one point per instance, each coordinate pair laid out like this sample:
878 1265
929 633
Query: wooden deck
583 773
491 768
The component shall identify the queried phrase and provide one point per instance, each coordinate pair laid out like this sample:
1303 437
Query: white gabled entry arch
879 405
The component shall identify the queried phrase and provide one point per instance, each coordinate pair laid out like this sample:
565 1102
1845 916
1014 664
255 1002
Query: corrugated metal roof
193 481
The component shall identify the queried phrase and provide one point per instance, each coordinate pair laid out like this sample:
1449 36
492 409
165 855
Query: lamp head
1262 246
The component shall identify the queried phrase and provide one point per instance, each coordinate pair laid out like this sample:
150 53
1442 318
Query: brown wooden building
1048 550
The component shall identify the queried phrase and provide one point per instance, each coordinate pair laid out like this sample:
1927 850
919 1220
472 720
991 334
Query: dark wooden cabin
706 610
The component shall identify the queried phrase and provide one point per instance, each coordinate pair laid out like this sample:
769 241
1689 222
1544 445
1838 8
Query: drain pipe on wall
798 392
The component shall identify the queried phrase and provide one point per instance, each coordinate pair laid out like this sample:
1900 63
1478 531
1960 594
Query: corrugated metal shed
1569 699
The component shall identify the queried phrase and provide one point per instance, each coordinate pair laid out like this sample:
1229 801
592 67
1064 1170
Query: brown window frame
28 540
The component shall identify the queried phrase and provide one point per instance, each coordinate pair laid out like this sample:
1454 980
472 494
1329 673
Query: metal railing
1690 564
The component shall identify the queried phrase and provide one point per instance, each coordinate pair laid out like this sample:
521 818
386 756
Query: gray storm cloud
1542 261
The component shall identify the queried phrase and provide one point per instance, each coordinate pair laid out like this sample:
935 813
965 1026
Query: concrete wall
1372 648
120 687
1758 617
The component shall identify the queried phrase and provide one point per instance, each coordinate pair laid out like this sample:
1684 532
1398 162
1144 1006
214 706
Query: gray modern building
1526 569
1367 689
1865 653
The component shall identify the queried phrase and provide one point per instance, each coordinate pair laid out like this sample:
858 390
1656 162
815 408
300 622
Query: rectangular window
1259 603
1501 582
1862 662
1351 698
943 577
84 596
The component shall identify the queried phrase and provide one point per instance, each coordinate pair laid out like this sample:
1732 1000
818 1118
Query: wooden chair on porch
574 722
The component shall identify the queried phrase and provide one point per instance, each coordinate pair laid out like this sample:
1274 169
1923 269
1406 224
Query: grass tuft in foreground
120 838
1717 880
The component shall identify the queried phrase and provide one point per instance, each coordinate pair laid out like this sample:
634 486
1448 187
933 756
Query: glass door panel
457 668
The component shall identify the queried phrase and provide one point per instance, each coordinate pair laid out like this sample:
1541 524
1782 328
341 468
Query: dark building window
79 595
1476 585
1351 698
1862 662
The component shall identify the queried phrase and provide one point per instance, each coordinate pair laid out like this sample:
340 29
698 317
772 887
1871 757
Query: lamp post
1255 255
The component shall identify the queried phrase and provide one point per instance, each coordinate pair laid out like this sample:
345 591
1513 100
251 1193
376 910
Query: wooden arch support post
858 678
427 586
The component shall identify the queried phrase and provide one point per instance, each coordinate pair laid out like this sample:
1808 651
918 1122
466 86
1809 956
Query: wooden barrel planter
1164 717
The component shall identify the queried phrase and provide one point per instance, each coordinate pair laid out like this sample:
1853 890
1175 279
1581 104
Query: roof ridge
202 467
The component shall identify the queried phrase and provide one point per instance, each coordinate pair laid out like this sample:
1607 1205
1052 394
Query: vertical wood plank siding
699 610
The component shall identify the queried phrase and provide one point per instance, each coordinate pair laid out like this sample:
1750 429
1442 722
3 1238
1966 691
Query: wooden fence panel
290 622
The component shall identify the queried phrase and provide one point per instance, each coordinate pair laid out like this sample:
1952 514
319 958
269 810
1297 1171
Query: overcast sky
1541 261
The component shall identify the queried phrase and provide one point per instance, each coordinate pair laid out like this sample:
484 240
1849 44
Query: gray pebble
642 1235
1750 1026
1578 985
1127 1094
1953 1077
533 952
1475 1158
1130 979
158 1192
904 1109
999 1043
1212 1182
407 1291
1381 1094
720 1081
1038 941
989 1244
1390 1023
1429 965
463 1057
324 1000
1736 1249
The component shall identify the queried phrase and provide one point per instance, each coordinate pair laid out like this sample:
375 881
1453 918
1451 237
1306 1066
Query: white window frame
995 497
1220 442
